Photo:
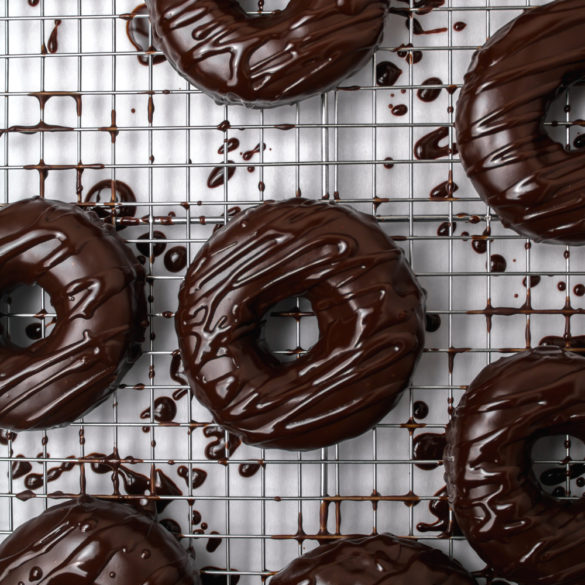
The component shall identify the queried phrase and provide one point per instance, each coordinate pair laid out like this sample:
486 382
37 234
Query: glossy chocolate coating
521 532
369 308
533 184
373 560
90 542
267 60
96 286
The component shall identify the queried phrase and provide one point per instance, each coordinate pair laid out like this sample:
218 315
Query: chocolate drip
138 31
53 42
229 145
250 153
97 289
36 128
217 176
158 248
176 259
269 60
219 449
420 410
165 410
519 530
433 322
373 560
387 74
534 185
427 447
43 169
350 270
90 541
497 263
429 94
44 96
428 148
111 193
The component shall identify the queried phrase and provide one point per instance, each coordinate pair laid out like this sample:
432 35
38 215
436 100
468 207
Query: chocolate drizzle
267 60
373 560
97 289
534 185
350 270
518 529
91 541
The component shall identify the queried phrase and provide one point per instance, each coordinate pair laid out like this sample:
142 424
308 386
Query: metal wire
377 471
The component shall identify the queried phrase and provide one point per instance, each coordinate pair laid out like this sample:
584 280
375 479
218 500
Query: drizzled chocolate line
97 288
270 60
369 308
534 185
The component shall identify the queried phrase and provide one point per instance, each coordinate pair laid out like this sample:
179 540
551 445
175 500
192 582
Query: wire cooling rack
245 511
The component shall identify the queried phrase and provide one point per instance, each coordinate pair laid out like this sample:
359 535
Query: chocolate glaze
534 184
97 288
373 560
267 60
370 312
519 530
91 541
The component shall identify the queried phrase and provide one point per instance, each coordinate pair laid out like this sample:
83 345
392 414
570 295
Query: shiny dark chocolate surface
533 184
97 288
524 534
370 312
267 60
373 560
89 542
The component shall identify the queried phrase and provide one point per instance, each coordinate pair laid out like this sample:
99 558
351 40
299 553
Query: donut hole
289 329
565 117
558 463
23 321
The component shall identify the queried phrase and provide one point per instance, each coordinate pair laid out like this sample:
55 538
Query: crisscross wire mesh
246 511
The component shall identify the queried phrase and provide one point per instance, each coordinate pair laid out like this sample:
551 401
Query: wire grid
335 147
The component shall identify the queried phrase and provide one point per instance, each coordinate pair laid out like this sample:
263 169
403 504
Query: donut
369 308
96 286
534 185
373 560
267 60
89 541
524 534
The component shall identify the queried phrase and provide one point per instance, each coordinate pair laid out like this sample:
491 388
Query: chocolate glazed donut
521 532
533 184
373 560
267 60
369 308
89 542
96 286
